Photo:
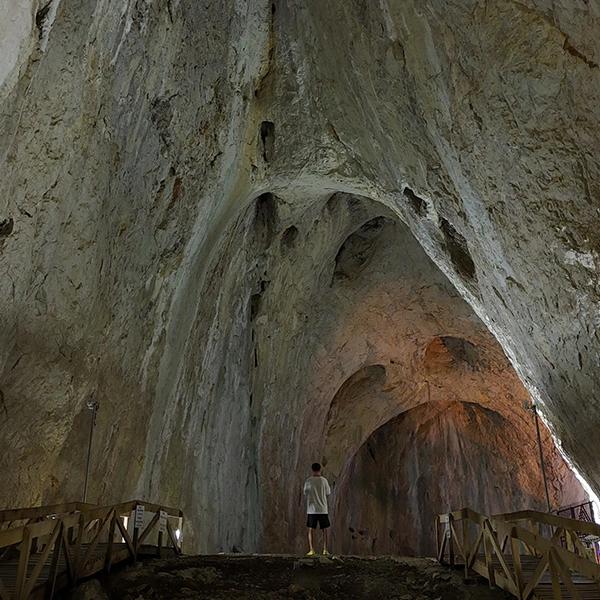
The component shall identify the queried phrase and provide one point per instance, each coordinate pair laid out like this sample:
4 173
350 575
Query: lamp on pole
93 406
532 407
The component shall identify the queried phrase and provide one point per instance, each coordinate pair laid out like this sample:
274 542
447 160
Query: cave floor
261 577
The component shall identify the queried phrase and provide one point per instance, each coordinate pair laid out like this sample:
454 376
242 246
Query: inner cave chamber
263 234
344 344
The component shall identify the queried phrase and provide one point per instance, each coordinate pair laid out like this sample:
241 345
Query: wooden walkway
529 554
45 549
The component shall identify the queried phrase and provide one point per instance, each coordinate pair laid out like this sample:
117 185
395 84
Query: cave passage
360 354
252 235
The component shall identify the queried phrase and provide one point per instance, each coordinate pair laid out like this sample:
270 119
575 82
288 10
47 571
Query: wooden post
450 539
109 546
23 563
71 535
34 541
136 535
466 545
437 534
54 564
77 558
487 549
515 547
180 540
556 592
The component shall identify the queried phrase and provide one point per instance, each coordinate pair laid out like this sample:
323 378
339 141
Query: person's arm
327 488
306 487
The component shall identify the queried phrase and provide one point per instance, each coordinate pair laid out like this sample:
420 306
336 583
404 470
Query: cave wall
438 456
135 138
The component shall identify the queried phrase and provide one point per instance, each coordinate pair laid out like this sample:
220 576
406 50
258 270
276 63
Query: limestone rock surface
215 214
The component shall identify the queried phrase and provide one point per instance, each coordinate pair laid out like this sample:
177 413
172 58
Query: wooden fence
46 548
529 554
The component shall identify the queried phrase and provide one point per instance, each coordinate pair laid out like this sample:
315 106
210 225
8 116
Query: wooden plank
565 575
127 507
126 537
23 562
457 540
475 548
487 551
480 568
42 560
10 537
54 565
41 528
535 577
62 529
451 541
554 520
18 514
556 590
496 547
466 545
504 583
69 561
92 546
515 549
442 550
572 561
98 512
77 551
173 539
148 529
109 546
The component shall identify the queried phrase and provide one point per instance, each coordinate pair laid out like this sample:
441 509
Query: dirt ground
272 577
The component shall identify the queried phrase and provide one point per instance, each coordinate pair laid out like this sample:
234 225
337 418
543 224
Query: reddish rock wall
437 457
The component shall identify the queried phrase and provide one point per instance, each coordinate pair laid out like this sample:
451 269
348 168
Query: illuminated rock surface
216 218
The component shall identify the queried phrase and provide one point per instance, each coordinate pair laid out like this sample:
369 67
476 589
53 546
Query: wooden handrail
19 514
503 566
550 519
527 515
78 530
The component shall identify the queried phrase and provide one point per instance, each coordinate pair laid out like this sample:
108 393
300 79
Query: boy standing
316 490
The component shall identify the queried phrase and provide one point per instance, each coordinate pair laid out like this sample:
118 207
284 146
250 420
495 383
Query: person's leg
324 524
310 544
310 524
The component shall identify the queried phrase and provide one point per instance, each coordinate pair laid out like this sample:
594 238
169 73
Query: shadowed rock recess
260 234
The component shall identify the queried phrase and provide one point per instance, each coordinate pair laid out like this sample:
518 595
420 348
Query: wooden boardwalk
529 554
45 549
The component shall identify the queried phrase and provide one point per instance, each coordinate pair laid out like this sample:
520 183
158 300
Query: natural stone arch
438 455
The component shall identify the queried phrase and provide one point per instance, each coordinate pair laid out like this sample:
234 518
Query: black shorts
322 520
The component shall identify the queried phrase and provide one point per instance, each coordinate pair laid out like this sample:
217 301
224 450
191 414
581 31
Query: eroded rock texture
216 218
430 452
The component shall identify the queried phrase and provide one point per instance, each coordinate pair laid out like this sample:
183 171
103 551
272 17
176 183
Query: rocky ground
271 577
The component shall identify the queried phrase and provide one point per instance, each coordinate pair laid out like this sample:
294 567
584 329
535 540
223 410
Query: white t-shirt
316 490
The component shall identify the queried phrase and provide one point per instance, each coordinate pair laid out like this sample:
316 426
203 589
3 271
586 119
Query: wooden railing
528 554
45 548
582 511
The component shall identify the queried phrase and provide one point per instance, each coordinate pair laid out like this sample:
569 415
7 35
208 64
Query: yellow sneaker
311 553
325 553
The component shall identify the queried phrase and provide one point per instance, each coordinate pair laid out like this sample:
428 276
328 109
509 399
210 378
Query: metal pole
93 406
539 439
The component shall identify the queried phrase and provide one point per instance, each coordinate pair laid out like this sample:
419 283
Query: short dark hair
316 467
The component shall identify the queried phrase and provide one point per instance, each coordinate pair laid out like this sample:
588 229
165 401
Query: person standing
316 490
